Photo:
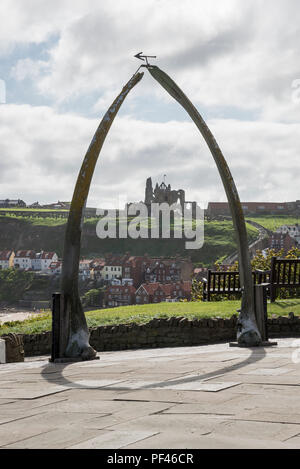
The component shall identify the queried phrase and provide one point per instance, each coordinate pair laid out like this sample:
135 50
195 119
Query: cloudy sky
63 62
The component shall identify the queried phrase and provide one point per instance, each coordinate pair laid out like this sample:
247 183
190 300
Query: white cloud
229 54
28 68
42 151
34 21
231 58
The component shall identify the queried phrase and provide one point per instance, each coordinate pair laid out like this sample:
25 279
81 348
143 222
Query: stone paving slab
207 441
33 393
114 440
269 371
189 397
200 386
60 438
214 425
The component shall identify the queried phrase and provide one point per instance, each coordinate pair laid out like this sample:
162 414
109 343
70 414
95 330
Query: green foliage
14 283
197 290
93 297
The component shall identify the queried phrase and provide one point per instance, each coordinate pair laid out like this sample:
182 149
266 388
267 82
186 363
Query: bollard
261 309
55 349
261 312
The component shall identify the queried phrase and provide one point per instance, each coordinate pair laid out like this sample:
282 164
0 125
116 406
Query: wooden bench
228 283
285 273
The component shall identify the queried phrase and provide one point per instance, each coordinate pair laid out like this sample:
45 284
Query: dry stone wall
159 333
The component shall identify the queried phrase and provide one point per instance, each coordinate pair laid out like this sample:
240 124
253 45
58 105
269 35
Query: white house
292 230
55 268
85 267
110 272
43 260
24 260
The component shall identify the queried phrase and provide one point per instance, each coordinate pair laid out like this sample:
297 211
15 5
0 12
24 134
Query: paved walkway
192 397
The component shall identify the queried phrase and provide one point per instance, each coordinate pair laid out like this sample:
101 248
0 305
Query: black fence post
261 309
273 280
56 326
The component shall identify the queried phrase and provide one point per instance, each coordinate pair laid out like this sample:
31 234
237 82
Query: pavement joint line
291 437
143 439
147 400
24 439
263 421
163 410
40 397
213 414
120 447
97 414
273 384
50 403
21 418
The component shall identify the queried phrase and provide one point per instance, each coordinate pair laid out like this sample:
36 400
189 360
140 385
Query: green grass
141 314
35 210
273 222
35 221
48 221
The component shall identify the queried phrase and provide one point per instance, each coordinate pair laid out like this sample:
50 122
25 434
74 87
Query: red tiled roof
5 255
25 254
55 265
47 255
167 288
150 287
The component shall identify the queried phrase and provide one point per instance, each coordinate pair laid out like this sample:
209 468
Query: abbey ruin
163 193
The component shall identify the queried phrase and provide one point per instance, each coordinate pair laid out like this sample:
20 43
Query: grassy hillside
273 222
144 313
20 232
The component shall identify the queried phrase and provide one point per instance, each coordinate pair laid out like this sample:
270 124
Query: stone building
163 194
8 203
159 292
119 295
215 209
283 241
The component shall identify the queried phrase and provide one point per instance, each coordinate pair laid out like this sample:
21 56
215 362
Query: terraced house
6 259
43 260
158 292
120 295
24 260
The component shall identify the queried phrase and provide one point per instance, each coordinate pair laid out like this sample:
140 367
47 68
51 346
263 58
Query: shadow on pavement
257 354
